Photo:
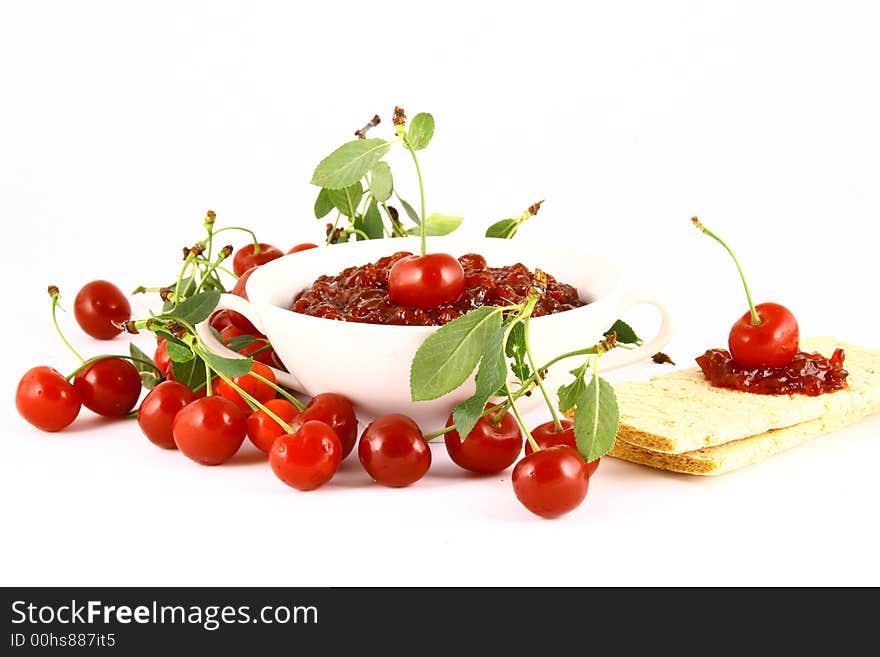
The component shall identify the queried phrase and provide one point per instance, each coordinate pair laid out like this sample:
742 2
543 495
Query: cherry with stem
768 334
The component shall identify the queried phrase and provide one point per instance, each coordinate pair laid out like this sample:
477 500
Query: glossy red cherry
307 459
109 387
546 435
258 389
97 305
305 246
209 431
426 281
161 359
551 482
263 430
393 451
46 399
772 343
158 410
336 411
245 258
490 447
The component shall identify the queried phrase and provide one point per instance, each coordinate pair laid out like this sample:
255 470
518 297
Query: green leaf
228 366
349 163
381 183
323 204
625 333
448 356
371 223
438 224
516 350
410 212
190 373
178 353
197 308
491 376
239 342
149 377
347 200
421 129
596 419
504 229
570 394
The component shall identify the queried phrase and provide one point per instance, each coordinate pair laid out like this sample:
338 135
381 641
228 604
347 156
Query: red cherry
161 359
209 431
336 411
260 390
97 305
393 451
245 258
427 281
305 246
490 447
158 410
552 481
263 430
772 343
46 399
307 459
109 387
546 436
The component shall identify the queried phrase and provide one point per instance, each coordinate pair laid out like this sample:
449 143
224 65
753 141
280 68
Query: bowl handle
621 357
239 305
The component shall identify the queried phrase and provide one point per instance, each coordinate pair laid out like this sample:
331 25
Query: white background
121 123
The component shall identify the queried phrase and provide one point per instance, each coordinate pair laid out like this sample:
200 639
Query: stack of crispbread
679 422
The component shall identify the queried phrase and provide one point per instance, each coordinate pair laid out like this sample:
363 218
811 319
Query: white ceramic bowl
370 363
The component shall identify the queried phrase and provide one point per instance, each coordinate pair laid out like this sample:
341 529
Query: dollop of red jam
360 294
808 374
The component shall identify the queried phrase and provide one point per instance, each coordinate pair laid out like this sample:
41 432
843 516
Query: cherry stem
423 225
281 391
212 266
756 320
92 361
557 423
53 292
522 424
209 390
249 398
253 235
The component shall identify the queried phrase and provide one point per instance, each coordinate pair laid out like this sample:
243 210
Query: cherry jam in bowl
369 362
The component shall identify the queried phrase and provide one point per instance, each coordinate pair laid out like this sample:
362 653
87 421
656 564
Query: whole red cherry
552 481
426 281
46 399
97 305
773 342
491 446
254 255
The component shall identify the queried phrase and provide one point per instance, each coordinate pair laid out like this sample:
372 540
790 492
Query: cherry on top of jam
359 294
765 336
426 281
807 374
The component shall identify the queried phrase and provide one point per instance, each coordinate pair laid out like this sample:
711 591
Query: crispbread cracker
681 412
730 456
